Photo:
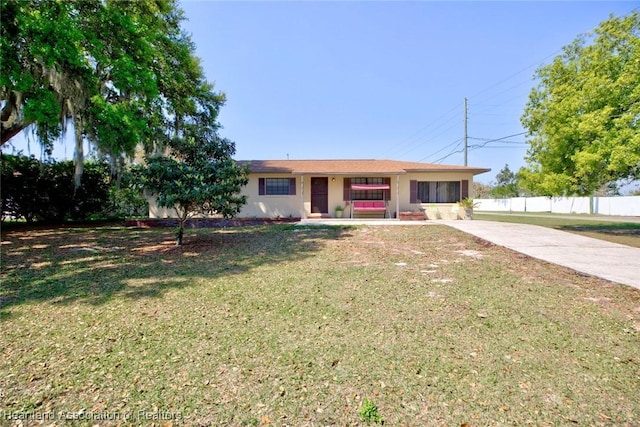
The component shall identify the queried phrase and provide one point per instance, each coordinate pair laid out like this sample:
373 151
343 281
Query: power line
409 146
450 154
477 146
473 147
419 131
457 141
537 63
420 142
506 142
509 90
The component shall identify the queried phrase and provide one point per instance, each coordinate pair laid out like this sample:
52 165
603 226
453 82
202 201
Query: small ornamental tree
194 172
199 177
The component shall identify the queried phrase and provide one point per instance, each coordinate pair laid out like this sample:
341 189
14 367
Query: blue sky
369 79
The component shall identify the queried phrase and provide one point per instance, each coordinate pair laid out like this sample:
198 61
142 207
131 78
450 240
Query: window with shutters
277 186
438 191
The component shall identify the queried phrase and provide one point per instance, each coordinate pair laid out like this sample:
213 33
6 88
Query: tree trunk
10 132
182 217
78 125
12 123
179 234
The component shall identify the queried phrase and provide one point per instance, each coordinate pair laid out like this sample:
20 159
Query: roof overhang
353 167
467 169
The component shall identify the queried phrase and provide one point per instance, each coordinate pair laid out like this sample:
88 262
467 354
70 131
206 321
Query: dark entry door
319 195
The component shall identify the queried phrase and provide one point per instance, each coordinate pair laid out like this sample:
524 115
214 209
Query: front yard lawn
284 325
624 233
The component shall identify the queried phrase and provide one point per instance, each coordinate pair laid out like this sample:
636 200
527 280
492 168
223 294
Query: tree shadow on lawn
614 227
624 229
93 265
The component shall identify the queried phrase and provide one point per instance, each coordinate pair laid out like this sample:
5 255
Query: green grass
284 325
625 233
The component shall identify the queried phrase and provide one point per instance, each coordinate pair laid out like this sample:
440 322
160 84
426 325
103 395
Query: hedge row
44 192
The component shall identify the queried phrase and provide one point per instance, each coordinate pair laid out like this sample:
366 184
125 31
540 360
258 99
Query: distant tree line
512 184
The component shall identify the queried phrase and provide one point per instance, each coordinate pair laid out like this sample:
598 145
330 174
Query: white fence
621 205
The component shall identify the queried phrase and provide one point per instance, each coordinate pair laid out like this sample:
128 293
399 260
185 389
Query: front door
320 195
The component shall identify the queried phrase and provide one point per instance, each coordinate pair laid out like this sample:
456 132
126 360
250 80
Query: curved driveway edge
610 261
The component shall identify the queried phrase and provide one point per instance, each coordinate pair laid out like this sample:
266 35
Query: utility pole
465 131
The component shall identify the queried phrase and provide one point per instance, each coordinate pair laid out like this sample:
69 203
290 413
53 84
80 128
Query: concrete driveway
610 261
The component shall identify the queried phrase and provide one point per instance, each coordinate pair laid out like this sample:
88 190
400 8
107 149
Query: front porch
370 197
359 221
380 197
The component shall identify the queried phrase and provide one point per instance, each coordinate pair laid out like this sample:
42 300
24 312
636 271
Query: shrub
21 191
44 191
127 200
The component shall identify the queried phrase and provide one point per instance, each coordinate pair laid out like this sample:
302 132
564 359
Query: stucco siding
156 212
299 205
266 206
405 198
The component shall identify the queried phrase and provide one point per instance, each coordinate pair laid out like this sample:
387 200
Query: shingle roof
352 167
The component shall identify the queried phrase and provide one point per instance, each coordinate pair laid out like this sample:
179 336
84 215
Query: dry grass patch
608 229
283 325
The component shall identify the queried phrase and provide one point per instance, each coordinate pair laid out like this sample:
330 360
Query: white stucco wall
427 176
271 206
579 205
156 212
615 205
516 204
538 204
622 205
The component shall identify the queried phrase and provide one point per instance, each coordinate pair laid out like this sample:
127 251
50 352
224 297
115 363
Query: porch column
302 211
398 196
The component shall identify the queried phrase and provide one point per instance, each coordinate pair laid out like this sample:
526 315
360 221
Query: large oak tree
583 117
122 72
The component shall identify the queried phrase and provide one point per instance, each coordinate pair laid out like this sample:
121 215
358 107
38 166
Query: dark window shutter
292 186
262 187
413 191
346 189
464 189
387 193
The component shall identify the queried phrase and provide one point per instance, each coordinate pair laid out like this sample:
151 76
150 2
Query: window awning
370 186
